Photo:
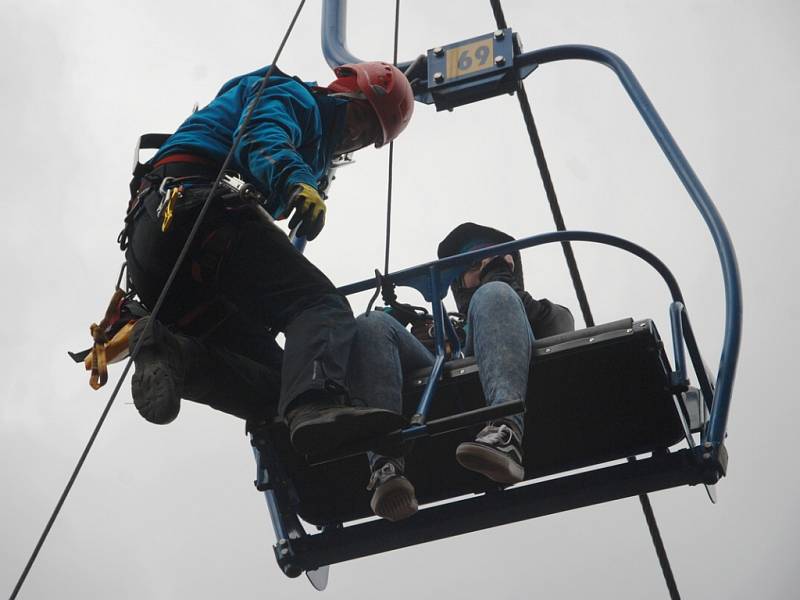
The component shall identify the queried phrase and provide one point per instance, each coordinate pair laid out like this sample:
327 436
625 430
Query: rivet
642 324
591 339
438 51
706 456
438 77
461 372
499 35
707 445
284 552
500 60
547 349
629 331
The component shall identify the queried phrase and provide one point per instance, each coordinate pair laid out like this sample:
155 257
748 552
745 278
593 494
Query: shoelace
495 435
382 475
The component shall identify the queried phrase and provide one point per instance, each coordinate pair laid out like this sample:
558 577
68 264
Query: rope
658 543
550 191
156 308
391 152
572 265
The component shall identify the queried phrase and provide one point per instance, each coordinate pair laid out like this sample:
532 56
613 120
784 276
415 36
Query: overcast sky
170 512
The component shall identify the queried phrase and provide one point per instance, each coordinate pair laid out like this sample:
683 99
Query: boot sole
490 463
325 435
395 500
154 391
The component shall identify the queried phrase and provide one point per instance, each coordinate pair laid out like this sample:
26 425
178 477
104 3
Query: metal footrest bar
434 427
659 472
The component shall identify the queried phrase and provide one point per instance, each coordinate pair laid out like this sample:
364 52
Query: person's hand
498 268
491 268
309 211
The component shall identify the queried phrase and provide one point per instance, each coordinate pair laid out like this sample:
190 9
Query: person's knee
332 304
563 321
493 296
376 325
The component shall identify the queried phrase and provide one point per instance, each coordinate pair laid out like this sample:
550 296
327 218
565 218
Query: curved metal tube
431 279
334 35
715 432
452 266
336 53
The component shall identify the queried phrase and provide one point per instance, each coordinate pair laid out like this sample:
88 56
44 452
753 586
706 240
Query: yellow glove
309 211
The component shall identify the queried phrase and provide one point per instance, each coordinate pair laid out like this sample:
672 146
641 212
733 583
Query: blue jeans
498 335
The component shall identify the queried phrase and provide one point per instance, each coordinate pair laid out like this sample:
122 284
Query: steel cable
391 152
572 265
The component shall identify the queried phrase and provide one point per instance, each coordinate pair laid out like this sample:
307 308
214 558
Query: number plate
475 58
470 58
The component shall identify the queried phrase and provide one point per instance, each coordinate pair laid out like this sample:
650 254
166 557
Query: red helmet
385 88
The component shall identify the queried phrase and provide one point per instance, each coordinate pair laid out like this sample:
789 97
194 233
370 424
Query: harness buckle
247 192
233 182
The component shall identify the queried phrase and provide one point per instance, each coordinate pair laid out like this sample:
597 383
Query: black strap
148 141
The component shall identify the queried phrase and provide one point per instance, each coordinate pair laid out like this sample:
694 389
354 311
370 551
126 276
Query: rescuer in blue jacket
243 281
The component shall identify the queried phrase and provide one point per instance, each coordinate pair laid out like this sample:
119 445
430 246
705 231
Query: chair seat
594 395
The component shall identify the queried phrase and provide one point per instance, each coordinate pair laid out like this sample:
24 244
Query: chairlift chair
595 396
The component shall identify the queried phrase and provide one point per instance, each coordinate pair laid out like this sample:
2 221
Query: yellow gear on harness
102 355
105 350
172 194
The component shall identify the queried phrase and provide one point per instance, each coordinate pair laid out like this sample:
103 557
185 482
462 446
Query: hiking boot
157 384
496 453
320 426
393 496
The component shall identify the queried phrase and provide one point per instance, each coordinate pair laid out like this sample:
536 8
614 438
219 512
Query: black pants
245 262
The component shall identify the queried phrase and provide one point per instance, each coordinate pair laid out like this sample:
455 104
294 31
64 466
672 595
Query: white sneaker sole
395 500
490 463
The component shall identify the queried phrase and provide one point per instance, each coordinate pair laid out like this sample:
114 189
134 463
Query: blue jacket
290 139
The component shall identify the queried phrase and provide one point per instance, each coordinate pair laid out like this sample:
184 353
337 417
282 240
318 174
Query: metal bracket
471 70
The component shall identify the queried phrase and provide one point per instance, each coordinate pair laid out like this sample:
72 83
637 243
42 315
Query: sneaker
157 382
393 497
495 453
320 426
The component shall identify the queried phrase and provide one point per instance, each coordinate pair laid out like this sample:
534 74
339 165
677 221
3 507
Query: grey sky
170 512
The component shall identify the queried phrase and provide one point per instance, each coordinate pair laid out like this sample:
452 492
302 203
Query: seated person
502 319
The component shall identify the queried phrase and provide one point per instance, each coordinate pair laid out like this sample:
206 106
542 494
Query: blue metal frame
297 551
482 511
676 315
335 51
432 279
